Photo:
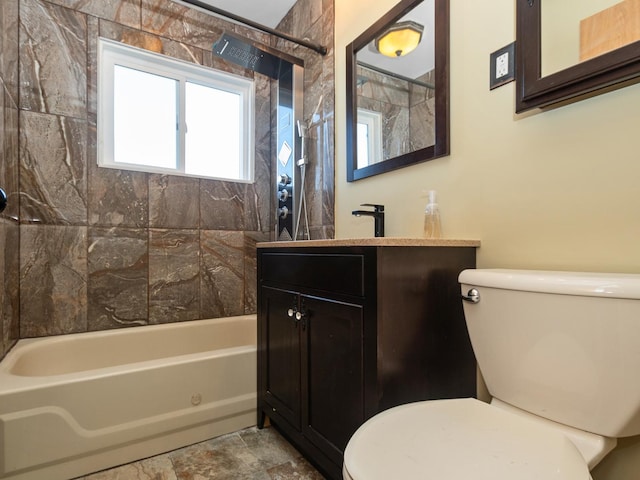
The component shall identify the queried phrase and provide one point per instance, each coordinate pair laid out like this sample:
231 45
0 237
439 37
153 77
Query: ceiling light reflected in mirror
400 39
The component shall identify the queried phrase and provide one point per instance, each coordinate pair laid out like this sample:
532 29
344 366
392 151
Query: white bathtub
75 404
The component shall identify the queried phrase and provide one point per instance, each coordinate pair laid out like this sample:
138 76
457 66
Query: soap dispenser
432 228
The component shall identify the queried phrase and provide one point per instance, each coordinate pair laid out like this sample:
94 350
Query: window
161 115
369 135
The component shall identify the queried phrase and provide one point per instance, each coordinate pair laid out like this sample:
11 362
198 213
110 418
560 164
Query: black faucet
377 214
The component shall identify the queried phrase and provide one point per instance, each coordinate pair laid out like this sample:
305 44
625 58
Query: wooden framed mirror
571 48
398 105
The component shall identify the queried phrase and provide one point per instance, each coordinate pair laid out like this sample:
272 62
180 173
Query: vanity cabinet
346 331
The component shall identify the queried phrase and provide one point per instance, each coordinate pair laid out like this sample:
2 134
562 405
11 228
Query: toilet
560 354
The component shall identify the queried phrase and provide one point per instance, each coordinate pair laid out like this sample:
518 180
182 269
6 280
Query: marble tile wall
9 226
422 113
103 248
408 110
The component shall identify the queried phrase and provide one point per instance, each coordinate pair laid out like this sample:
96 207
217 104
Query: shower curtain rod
322 50
373 68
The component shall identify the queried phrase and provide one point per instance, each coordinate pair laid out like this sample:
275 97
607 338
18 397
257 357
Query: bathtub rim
12 383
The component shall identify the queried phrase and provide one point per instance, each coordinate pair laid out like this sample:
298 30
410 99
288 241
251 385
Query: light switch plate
502 66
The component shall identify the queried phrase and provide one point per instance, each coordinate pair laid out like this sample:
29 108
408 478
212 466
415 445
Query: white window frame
373 121
112 53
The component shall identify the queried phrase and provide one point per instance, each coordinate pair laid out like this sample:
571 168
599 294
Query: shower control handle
283 212
3 200
285 179
472 296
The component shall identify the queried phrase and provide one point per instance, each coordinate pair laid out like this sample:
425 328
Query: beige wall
555 189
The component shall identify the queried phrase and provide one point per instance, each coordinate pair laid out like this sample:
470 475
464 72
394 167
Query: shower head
257 57
302 133
236 50
302 130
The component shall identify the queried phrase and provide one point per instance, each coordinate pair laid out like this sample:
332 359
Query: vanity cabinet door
332 373
280 354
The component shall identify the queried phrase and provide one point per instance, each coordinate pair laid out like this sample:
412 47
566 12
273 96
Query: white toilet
560 354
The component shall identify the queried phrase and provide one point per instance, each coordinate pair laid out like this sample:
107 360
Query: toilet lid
459 439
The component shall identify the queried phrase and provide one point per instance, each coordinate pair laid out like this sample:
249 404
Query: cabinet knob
301 318
291 312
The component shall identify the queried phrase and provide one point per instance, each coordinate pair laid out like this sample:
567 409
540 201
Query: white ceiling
265 12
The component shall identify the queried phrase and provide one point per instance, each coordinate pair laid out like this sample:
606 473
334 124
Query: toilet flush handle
473 296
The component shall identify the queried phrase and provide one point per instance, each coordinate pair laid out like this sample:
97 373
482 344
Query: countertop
374 242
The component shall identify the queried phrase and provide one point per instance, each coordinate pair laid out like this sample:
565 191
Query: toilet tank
561 345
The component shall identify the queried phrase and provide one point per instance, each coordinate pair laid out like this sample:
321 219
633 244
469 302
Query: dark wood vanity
348 328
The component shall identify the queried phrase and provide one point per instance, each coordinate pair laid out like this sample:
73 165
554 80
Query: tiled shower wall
9 227
102 248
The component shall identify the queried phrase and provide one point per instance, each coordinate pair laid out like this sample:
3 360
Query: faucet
377 214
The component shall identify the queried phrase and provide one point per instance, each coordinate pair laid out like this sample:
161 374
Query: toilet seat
459 439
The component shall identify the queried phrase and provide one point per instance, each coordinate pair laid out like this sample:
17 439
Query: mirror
398 101
569 49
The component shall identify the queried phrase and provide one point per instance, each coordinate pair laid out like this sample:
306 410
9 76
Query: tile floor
249 454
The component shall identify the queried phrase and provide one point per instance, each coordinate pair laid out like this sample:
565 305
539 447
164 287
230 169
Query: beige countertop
375 242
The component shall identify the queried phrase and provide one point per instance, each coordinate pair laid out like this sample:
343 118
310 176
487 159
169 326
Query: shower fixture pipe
322 50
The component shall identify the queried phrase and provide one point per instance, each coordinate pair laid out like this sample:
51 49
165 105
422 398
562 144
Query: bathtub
75 404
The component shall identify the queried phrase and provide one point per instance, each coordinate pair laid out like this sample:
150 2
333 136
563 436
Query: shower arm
322 50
